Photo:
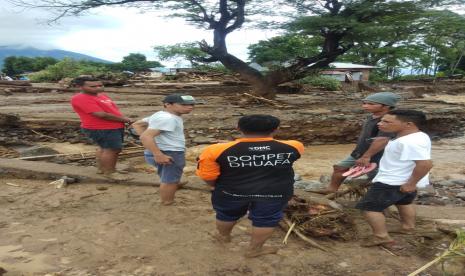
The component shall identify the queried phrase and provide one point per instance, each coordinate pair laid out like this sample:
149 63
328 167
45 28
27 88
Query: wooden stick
93 156
38 157
388 251
43 135
12 184
263 99
288 233
305 238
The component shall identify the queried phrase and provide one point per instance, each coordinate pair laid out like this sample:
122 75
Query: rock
60 183
37 151
458 181
453 266
203 140
9 120
308 184
445 183
325 179
461 195
426 191
297 177
5 92
63 182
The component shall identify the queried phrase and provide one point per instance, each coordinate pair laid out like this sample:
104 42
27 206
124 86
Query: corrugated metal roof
344 65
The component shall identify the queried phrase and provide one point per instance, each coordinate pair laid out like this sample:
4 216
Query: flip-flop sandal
352 170
364 170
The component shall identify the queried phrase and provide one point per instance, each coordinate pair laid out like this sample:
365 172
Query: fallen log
264 100
16 83
128 150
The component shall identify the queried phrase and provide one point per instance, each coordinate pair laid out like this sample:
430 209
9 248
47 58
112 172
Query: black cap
179 98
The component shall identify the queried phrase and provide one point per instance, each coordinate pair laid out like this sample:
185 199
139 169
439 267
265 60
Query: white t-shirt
398 161
171 126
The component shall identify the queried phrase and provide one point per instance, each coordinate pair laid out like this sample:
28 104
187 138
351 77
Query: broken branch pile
320 221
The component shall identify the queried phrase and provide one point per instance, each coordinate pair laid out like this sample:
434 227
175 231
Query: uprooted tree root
320 221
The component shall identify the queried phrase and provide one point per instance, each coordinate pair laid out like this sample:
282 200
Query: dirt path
97 229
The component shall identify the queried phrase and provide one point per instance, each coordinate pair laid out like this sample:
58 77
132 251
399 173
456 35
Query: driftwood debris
264 100
81 155
356 189
316 219
305 238
15 83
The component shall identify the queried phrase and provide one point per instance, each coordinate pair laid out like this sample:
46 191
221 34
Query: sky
109 33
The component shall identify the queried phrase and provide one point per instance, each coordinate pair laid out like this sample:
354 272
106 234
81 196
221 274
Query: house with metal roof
349 72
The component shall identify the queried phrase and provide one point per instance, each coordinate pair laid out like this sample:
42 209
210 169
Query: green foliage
16 65
390 34
189 51
135 62
284 48
68 68
213 67
325 82
377 76
412 77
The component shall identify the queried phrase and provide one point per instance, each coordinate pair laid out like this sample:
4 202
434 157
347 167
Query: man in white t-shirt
162 134
403 168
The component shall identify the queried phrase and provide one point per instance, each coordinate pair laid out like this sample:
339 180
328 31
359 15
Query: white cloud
110 33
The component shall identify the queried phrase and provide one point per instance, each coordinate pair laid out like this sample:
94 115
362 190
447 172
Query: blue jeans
172 173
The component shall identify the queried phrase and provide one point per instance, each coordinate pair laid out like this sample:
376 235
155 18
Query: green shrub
412 77
327 83
67 68
377 77
214 67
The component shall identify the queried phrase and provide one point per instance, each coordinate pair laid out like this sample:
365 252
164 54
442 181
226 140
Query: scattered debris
63 182
320 220
456 250
12 184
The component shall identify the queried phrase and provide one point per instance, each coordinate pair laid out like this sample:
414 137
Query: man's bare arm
376 146
140 126
111 117
422 167
147 139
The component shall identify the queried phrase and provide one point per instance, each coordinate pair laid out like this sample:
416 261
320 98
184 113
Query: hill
6 51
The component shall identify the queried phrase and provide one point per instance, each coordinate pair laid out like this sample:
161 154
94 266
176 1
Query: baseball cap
386 98
179 98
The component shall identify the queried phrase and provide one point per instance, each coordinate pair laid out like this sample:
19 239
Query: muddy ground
105 229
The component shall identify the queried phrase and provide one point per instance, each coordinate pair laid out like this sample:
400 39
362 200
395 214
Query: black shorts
106 138
380 196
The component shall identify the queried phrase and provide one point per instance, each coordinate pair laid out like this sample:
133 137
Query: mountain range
6 51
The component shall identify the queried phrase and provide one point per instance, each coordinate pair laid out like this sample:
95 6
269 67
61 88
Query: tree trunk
264 86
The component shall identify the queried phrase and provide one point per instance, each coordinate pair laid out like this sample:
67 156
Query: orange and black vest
251 168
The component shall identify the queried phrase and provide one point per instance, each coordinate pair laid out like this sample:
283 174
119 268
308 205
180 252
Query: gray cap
386 98
180 99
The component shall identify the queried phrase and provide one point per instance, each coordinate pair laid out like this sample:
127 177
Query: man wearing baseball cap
371 141
162 134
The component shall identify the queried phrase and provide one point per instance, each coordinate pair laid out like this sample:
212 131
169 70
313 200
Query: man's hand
362 161
408 188
163 159
126 120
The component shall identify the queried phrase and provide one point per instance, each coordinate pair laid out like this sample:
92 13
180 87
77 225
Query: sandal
375 241
402 231
352 170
